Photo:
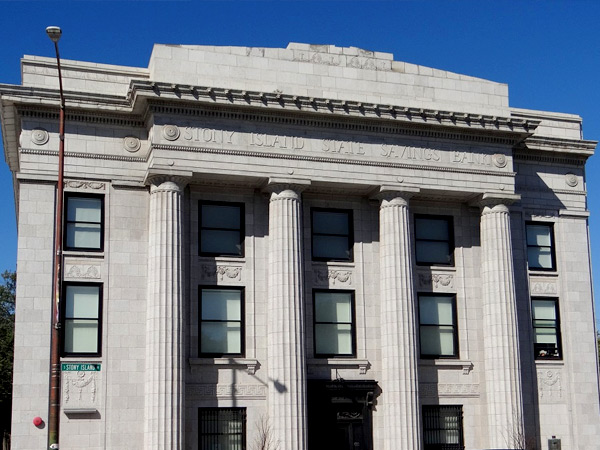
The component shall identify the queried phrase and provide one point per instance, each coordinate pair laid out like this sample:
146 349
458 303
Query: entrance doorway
339 415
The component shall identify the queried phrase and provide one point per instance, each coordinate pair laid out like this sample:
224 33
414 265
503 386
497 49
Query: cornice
539 156
509 129
560 145
42 152
78 115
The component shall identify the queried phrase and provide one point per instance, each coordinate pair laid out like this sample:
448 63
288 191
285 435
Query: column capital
163 183
286 187
495 200
395 194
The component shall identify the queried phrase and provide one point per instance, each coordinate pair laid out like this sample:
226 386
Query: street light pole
54 392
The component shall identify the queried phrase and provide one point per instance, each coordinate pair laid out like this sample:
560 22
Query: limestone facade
342 249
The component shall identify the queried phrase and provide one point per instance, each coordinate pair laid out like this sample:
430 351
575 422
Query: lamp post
54 391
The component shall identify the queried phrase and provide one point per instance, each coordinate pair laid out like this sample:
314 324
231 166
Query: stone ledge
251 365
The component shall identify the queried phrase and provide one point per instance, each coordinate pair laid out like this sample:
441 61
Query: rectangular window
221 321
443 427
437 326
222 428
221 229
84 222
81 317
540 246
546 328
332 238
334 323
434 240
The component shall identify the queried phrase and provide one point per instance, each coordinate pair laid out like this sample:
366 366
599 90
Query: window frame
550 225
454 325
70 195
242 321
244 417
460 429
242 229
64 319
451 244
350 235
556 327
352 324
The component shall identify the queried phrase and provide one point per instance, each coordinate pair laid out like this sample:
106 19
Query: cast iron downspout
54 394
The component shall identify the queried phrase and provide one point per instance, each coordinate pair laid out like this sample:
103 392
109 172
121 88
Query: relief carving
80 389
571 179
83 271
543 288
436 280
78 184
448 390
222 273
549 384
325 276
39 136
131 144
170 132
227 391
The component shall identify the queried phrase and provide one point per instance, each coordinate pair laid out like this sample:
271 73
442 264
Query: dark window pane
333 339
222 428
221 216
332 247
433 252
221 242
225 304
84 209
540 257
330 222
434 229
83 235
221 338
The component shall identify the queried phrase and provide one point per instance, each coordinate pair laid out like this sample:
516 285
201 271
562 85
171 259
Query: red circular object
37 421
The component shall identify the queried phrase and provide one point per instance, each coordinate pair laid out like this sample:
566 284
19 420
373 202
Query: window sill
251 365
362 364
550 362
465 365
77 411
543 273
440 268
86 253
218 258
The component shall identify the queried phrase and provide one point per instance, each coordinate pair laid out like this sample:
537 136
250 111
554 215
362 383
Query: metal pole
54 394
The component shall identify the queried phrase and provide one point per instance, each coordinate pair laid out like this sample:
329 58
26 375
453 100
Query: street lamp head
54 33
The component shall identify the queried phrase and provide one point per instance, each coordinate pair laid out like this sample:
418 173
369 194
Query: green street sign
69 367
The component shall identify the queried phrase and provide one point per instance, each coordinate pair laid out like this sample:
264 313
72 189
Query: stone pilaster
285 321
164 330
399 375
500 333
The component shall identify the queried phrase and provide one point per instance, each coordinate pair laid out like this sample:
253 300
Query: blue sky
548 52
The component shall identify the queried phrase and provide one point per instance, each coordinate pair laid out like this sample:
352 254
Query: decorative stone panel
442 282
550 389
77 271
81 389
332 277
227 391
221 273
543 287
429 390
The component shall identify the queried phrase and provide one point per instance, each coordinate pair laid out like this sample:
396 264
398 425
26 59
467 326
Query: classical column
500 334
399 376
285 321
164 330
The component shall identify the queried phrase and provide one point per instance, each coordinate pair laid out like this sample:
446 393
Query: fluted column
500 333
399 377
285 321
164 336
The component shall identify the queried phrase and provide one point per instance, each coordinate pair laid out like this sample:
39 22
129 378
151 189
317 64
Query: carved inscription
445 155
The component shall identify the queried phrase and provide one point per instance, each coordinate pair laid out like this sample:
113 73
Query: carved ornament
39 136
83 271
333 276
170 132
571 179
79 184
436 280
448 390
131 144
549 384
221 272
238 391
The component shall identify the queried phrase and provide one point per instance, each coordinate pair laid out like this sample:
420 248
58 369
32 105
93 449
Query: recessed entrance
339 415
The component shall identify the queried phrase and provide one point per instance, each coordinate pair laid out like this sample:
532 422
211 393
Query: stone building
319 246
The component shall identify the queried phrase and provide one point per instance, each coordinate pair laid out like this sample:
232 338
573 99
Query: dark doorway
339 415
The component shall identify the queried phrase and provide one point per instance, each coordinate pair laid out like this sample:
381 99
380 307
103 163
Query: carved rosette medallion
221 272
333 277
571 179
170 132
131 144
39 136
499 160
